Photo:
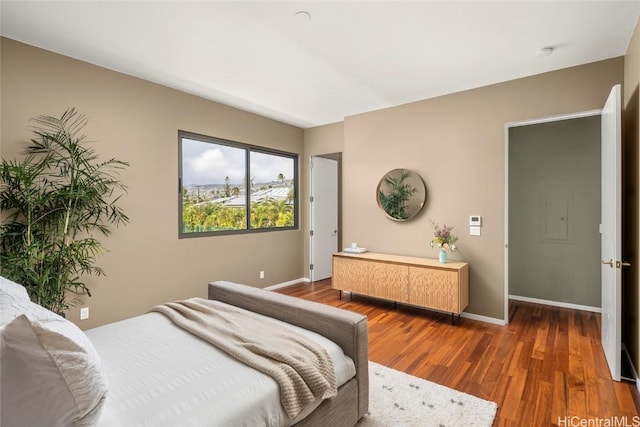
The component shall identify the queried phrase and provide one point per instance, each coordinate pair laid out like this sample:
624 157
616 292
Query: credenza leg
453 318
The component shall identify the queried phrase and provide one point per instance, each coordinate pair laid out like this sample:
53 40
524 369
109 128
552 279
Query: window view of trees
228 187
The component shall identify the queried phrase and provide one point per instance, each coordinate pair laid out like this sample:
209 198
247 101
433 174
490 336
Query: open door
324 216
611 236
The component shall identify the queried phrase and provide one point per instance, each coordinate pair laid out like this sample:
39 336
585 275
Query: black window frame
249 148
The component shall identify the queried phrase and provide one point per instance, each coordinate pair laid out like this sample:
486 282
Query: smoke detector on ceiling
545 51
302 15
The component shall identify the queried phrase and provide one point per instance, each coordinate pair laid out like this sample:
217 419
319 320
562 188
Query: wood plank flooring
546 368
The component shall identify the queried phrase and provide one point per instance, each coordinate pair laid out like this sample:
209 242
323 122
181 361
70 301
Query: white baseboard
633 369
625 351
557 304
481 318
285 284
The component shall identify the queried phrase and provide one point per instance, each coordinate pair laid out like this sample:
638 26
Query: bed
148 371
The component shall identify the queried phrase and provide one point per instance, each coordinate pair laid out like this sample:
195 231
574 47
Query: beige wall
456 143
137 121
631 183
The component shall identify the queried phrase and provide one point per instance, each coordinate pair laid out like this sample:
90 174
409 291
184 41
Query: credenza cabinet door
433 288
351 275
389 281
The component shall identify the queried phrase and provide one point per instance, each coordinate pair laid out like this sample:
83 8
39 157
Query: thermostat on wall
475 222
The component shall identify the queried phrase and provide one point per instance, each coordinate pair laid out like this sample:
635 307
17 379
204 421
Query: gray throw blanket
303 369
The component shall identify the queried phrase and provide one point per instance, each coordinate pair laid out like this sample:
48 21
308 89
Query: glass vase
443 256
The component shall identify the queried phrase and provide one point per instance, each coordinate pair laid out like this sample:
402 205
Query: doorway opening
563 200
553 199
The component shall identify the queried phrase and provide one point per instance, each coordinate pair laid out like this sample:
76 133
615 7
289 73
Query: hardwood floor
546 368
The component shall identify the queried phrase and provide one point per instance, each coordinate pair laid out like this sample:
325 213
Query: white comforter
160 375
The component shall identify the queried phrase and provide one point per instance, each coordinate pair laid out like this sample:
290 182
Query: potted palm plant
56 201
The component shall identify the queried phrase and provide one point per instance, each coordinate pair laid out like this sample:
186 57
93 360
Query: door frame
507 126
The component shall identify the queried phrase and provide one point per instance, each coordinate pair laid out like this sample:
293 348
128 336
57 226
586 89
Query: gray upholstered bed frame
347 329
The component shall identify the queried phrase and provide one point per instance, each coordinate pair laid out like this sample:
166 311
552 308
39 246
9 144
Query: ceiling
348 58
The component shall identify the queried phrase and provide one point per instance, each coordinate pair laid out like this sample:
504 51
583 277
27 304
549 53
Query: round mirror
401 194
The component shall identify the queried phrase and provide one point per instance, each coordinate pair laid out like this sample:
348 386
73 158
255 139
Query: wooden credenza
418 281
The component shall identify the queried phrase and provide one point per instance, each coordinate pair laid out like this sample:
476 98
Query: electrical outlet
262 274
84 313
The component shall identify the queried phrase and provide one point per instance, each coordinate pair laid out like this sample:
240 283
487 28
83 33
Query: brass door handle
610 262
618 264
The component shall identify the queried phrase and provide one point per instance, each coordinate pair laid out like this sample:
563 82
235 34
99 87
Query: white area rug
399 399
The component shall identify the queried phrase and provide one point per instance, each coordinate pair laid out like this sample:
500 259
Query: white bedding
160 375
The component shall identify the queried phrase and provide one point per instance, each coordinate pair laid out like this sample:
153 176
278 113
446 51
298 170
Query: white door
611 232
324 216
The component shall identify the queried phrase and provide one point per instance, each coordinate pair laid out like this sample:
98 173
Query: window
227 187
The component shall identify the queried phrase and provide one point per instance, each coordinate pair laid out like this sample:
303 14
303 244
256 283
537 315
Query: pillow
13 304
12 289
50 374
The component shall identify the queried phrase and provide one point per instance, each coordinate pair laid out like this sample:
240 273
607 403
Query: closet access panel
418 281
